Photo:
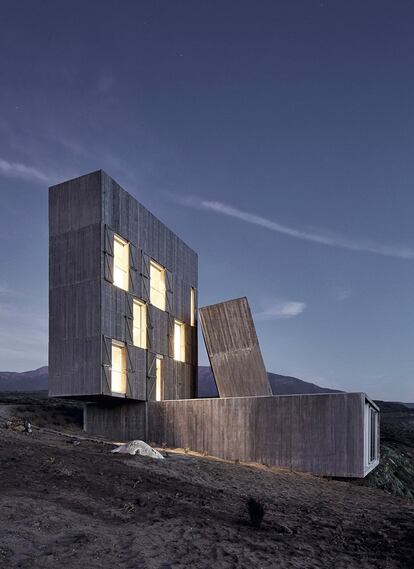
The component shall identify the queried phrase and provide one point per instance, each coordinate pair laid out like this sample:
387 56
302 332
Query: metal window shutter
150 328
133 273
170 336
194 346
169 291
106 365
151 375
145 277
109 254
188 343
130 371
129 319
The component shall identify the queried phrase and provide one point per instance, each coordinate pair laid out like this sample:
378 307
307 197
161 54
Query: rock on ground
138 447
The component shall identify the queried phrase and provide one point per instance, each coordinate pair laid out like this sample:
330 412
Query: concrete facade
322 434
233 349
88 312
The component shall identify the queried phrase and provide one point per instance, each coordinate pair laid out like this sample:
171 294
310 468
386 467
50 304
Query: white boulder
138 447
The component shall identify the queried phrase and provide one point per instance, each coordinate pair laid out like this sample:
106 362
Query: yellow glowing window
179 341
118 369
157 285
158 379
140 324
192 307
121 262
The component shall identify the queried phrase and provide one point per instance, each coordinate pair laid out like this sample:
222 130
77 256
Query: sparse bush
256 512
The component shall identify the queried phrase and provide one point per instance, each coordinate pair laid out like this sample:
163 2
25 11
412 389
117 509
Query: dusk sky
276 138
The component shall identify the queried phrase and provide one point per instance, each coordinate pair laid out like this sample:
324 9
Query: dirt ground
65 504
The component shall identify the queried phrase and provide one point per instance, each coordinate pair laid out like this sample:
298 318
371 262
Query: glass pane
118 373
192 307
182 346
121 263
139 325
157 286
116 358
177 341
120 278
158 382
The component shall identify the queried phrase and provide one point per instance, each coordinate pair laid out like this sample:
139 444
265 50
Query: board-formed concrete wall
233 349
75 287
87 311
320 433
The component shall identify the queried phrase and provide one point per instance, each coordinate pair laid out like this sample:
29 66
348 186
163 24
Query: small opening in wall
192 307
373 435
140 324
157 285
121 262
118 369
159 379
179 341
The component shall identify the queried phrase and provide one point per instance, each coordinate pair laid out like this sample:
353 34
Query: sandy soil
79 506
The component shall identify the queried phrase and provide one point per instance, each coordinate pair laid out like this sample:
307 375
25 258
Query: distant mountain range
280 384
36 380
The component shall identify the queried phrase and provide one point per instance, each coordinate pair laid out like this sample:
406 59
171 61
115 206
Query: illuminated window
118 369
158 378
140 324
121 263
179 341
192 307
157 284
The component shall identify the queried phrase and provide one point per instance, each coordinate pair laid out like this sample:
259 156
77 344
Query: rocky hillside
395 474
67 501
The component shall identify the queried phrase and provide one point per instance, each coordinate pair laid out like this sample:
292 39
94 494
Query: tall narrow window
157 285
373 418
179 341
118 370
192 307
121 262
158 379
140 324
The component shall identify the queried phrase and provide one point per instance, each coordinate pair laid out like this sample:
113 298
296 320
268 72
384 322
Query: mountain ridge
280 384
37 380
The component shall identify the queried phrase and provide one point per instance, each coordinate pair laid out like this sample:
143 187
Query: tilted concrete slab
233 349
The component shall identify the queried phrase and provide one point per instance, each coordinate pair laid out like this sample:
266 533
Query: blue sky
276 138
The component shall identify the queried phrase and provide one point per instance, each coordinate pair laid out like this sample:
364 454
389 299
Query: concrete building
122 300
123 338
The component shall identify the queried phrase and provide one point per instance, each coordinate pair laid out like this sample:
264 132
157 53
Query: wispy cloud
321 237
24 172
282 309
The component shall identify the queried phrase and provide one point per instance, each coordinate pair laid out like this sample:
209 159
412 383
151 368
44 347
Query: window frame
373 439
193 318
159 377
124 266
123 372
139 339
155 292
180 347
